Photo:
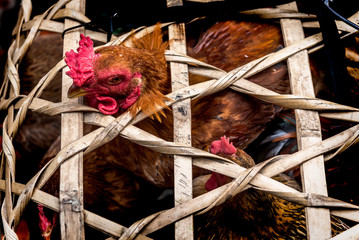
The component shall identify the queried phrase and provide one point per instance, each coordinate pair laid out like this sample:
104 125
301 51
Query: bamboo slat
181 127
308 128
71 172
352 233
340 25
270 13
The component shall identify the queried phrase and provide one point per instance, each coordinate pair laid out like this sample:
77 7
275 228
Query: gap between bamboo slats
181 127
71 172
308 128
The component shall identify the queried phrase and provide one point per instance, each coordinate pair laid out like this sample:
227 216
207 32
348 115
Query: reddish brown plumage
38 131
242 118
110 191
239 117
228 43
104 184
252 214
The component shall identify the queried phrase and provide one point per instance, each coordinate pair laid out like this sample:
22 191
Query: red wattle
107 105
212 183
216 180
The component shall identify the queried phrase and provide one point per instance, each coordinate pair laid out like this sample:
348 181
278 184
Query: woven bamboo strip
11 86
71 13
58 27
93 220
347 116
346 214
47 25
308 128
270 13
71 172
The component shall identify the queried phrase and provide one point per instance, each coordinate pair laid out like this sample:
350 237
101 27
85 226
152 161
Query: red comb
44 222
223 146
81 63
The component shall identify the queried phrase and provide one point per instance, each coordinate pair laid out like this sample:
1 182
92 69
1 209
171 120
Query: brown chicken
38 131
251 214
116 78
105 185
109 191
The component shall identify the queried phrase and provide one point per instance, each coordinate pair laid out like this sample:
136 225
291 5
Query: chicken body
109 191
252 214
38 131
226 45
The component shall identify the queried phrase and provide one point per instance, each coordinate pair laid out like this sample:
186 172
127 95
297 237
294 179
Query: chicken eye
115 80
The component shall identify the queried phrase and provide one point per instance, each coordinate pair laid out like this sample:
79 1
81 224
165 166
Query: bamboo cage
313 151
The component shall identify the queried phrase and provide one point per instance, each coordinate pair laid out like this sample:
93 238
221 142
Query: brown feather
239 117
38 131
254 214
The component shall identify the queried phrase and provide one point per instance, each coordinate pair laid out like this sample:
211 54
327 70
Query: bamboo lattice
258 176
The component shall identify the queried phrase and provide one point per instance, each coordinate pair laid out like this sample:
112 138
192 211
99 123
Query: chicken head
107 84
116 78
225 148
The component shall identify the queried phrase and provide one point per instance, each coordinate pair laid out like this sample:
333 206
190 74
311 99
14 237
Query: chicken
280 139
115 79
109 191
38 131
251 214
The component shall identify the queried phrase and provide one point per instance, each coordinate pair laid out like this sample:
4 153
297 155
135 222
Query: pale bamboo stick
308 128
181 128
71 172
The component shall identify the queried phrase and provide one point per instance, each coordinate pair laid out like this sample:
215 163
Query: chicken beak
75 92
